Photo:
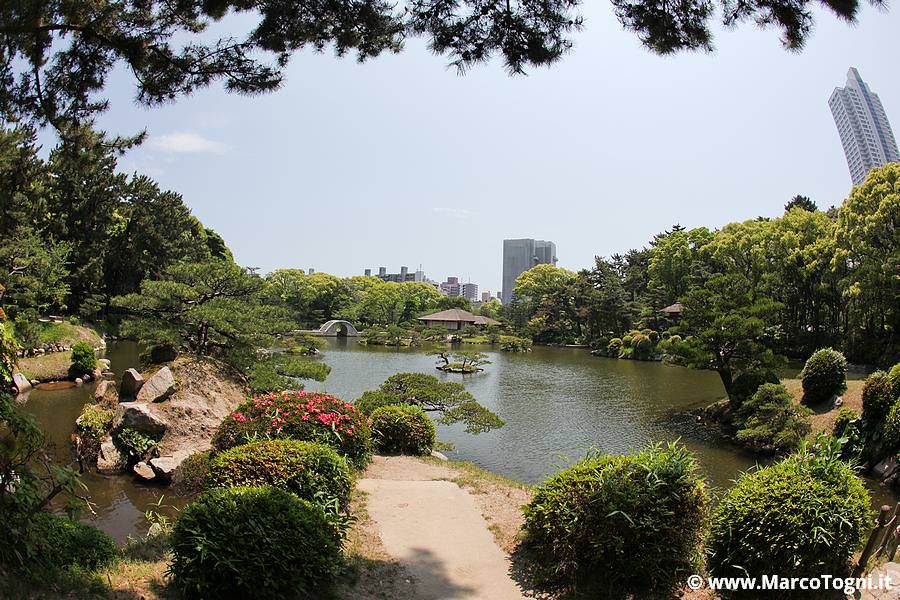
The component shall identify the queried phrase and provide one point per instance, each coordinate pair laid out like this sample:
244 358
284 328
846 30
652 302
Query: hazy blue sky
400 161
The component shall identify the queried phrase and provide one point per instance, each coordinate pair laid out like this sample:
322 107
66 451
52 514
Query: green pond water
558 404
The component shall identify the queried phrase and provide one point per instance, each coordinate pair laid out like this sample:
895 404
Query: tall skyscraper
863 126
521 255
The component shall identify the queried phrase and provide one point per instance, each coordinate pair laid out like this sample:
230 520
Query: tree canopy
56 57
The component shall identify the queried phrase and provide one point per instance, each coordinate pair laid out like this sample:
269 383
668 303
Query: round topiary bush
824 375
312 471
83 359
804 516
747 382
618 524
894 378
877 399
890 434
675 338
627 341
190 476
614 348
402 429
307 416
253 543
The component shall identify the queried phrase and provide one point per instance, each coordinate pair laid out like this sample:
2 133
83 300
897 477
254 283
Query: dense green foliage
75 232
824 375
29 481
94 423
135 446
877 398
613 524
312 417
801 517
894 380
190 477
83 359
253 543
771 419
402 429
60 542
312 471
890 434
448 398
210 308
281 372
749 291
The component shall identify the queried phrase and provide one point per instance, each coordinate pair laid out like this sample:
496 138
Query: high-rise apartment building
863 126
470 291
521 255
451 287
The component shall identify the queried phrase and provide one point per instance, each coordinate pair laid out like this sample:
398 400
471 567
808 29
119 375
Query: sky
402 161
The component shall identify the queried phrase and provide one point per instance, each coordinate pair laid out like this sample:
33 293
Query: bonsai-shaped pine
462 361
448 398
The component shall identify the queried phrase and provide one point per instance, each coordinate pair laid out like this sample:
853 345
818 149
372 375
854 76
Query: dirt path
435 530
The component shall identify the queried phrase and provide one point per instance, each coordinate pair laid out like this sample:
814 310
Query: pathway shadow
422 578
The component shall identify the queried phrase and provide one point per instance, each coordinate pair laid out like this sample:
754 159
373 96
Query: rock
165 466
885 468
104 362
106 393
144 471
131 383
79 381
159 387
21 383
109 460
139 416
439 455
35 383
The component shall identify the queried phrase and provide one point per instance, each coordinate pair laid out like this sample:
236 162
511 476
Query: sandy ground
431 535
823 417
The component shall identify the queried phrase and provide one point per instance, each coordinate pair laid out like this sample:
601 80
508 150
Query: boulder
104 362
159 387
139 417
131 383
144 471
165 466
79 381
885 468
109 460
21 383
106 393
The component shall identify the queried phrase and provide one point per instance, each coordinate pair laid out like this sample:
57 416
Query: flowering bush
307 416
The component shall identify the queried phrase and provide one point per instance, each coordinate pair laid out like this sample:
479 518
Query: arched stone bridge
337 327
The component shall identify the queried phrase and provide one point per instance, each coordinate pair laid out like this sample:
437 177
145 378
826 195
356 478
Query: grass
822 418
48 367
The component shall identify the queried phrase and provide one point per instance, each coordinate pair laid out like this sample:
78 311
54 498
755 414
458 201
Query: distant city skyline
400 160
863 126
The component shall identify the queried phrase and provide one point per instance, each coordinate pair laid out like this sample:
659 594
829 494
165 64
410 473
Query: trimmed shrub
891 432
253 543
618 524
801 517
824 375
894 379
877 398
190 476
771 419
59 542
402 429
306 416
747 382
312 471
627 341
83 358
654 336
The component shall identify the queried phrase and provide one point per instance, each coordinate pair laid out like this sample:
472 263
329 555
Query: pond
558 403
